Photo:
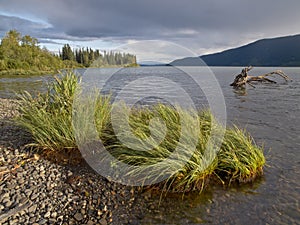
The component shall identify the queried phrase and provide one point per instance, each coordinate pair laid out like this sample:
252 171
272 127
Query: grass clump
239 157
173 147
170 147
48 116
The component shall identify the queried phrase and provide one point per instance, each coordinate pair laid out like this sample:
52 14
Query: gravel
34 190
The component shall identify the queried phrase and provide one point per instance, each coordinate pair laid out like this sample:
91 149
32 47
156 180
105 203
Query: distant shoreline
26 72
41 72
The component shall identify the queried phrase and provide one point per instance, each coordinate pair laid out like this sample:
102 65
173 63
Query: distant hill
151 63
282 51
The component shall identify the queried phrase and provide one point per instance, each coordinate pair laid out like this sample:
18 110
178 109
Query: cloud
12 22
199 25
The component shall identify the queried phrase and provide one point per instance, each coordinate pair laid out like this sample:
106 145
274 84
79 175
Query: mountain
281 51
151 63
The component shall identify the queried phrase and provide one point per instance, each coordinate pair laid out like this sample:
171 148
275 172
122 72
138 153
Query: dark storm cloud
196 23
12 22
37 29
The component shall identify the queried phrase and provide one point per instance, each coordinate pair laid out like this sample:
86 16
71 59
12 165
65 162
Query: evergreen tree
67 53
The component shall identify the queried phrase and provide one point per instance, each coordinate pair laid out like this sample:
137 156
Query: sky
157 30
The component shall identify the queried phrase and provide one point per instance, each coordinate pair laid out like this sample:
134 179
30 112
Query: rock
32 220
60 218
21 181
78 216
75 198
52 221
69 173
90 222
105 208
6 195
8 204
28 192
34 196
99 212
10 185
54 215
103 221
53 201
43 205
47 215
32 208
14 221
42 221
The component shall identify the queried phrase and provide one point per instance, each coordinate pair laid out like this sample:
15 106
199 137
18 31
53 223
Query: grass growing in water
239 158
161 129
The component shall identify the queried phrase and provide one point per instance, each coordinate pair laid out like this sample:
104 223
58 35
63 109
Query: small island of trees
23 55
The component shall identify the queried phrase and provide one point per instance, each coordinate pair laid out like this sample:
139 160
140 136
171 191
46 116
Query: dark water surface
270 112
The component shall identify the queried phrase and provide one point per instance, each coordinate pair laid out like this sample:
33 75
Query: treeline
22 55
89 57
19 52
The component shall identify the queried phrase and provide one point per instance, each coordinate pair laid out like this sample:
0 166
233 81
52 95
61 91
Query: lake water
270 112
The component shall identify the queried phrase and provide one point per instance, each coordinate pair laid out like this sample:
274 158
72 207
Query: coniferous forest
23 55
89 57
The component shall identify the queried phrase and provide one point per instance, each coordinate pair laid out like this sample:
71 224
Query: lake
270 112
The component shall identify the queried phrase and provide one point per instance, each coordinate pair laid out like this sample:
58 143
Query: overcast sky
202 26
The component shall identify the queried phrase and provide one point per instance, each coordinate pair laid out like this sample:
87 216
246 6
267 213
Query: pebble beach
34 190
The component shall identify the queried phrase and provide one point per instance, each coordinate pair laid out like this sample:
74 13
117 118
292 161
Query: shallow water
12 85
270 112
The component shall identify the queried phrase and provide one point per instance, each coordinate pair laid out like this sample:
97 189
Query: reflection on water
270 112
12 85
240 91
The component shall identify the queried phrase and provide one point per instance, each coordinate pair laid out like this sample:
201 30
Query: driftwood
244 78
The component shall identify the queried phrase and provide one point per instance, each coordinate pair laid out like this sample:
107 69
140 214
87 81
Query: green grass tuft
48 117
240 158
173 142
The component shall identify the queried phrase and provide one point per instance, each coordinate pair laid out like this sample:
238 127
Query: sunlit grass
240 158
48 117
178 144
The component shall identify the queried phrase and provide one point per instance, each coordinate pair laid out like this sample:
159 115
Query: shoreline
26 72
37 191
22 72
